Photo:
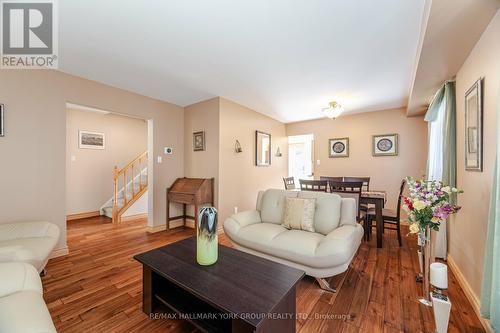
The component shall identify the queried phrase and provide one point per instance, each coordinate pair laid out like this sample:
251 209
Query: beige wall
468 230
202 116
33 153
240 179
386 172
89 182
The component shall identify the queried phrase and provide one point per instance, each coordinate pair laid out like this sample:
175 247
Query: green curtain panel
446 96
490 290
432 111
450 138
442 155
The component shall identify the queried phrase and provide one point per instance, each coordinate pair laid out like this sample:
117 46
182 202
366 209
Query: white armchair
29 242
22 308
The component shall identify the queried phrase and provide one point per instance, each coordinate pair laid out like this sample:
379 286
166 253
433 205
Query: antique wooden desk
189 191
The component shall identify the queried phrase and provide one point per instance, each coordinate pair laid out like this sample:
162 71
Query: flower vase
425 249
206 236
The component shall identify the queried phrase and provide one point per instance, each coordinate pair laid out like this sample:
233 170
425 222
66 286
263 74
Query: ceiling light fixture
334 110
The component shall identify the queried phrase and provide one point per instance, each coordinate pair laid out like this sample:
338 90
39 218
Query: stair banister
118 211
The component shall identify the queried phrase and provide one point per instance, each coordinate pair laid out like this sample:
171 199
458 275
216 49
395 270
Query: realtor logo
29 34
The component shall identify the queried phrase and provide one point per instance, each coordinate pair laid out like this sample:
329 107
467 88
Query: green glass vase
206 236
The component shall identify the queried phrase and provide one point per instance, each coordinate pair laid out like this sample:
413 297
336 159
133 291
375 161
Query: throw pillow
299 214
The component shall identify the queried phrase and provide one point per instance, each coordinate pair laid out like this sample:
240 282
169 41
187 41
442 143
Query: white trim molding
469 293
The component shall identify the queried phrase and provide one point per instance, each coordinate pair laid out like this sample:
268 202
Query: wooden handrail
138 158
117 173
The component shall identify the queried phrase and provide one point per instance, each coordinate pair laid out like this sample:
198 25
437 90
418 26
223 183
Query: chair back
364 180
348 190
313 185
331 179
289 183
401 189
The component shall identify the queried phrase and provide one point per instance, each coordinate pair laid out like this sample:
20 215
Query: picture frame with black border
91 140
199 141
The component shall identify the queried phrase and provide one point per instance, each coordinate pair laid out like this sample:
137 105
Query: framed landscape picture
474 127
91 140
199 141
385 145
338 147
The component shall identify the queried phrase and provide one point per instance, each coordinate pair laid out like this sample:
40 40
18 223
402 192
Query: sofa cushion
327 215
25 312
34 251
298 242
299 214
18 276
260 233
272 205
302 247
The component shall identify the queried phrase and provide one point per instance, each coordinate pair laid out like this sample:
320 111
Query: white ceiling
283 58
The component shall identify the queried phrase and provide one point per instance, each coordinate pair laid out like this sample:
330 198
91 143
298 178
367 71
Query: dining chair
331 179
313 185
289 183
348 190
390 217
364 180
366 187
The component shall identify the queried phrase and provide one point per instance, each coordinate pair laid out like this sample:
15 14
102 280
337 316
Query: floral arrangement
428 204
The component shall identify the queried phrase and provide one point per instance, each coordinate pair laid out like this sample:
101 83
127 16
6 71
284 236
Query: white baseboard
469 293
59 252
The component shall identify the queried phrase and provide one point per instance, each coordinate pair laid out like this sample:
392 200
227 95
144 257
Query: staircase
129 184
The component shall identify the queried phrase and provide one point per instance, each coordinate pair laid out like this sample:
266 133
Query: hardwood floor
97 287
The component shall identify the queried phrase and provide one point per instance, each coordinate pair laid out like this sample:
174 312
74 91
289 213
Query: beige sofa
29 242
22 308
324 253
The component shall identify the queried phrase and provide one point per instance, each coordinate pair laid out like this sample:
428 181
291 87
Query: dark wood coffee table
239 293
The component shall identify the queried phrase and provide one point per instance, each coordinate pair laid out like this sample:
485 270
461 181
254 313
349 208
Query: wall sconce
278 152
237 147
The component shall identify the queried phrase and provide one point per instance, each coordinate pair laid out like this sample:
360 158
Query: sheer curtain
441 161
436 139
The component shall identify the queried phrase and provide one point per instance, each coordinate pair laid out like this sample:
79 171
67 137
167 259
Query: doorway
107 165
301 157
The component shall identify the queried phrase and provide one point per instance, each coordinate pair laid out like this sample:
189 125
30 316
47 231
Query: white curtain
436 140
435 172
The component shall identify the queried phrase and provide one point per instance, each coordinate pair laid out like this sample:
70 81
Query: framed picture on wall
262 149
385 145
91 140
2 123
338 147
199 141
474 127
